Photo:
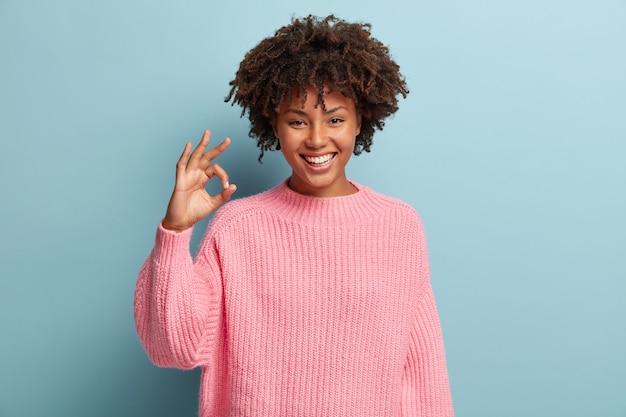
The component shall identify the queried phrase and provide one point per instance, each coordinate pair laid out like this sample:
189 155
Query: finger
182 161
228 192
217 171
224 196
197 154
213 153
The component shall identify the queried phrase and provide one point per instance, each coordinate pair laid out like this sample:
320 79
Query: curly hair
319 52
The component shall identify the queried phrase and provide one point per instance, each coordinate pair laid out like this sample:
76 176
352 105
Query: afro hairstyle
324 53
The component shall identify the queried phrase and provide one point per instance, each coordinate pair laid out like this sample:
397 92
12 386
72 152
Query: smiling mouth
319 160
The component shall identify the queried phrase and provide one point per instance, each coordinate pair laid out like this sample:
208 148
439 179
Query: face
318 143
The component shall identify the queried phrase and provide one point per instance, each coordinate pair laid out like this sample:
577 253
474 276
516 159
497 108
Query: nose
318 137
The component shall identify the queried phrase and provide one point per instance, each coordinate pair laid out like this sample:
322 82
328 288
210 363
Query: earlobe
276 136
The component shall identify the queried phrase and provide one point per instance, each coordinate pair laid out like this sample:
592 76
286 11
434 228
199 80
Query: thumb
225 195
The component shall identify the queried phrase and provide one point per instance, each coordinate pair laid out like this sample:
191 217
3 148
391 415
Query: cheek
283 144
289 139
286 147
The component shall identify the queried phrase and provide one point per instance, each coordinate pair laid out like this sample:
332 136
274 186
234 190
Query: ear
358 125
273 123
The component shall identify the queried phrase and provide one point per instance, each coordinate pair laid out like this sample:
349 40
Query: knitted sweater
300 306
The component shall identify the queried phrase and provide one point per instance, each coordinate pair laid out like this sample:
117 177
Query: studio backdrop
511 145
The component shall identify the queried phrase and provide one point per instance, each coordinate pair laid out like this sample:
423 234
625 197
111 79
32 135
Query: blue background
512 146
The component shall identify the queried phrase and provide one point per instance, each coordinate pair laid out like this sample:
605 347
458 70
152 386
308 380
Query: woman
312 298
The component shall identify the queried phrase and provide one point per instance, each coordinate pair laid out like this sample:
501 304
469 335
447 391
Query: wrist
173 227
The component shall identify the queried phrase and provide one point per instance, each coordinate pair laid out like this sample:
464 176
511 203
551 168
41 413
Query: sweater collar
323 211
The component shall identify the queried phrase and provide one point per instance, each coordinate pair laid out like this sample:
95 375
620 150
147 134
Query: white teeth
319 160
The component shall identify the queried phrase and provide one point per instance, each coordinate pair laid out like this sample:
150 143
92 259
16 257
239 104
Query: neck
343 188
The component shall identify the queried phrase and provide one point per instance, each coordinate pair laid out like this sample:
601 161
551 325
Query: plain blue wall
512 145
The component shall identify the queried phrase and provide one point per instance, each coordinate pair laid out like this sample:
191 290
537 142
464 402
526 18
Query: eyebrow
303 113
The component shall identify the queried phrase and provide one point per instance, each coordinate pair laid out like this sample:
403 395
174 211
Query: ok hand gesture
190 202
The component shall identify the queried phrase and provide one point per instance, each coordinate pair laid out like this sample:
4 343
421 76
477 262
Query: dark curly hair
317 51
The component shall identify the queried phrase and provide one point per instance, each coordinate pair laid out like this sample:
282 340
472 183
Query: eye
296 123
335 120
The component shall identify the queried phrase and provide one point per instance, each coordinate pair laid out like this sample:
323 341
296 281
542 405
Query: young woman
312 298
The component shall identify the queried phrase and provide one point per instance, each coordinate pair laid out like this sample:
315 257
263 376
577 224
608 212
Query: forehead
311 97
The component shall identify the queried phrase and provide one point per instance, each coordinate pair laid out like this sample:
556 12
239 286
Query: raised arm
178 302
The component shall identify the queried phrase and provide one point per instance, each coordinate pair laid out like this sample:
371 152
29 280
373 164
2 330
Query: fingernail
226 184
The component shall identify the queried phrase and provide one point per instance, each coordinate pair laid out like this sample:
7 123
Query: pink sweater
300 306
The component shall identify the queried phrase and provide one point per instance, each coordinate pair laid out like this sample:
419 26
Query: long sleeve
300 306
178 303
426 389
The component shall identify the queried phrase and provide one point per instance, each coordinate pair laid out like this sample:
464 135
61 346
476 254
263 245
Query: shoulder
397 217
236 209
394 207
239 210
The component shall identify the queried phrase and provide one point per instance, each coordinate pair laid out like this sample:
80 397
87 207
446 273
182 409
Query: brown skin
190 202
310 52
326 133
319 52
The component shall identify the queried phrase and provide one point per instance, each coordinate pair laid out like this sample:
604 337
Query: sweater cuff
170 245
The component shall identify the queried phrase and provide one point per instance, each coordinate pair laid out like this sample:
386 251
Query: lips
319 160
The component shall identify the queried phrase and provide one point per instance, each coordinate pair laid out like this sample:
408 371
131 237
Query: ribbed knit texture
300 306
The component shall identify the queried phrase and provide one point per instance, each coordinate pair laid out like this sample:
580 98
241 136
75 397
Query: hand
190 202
